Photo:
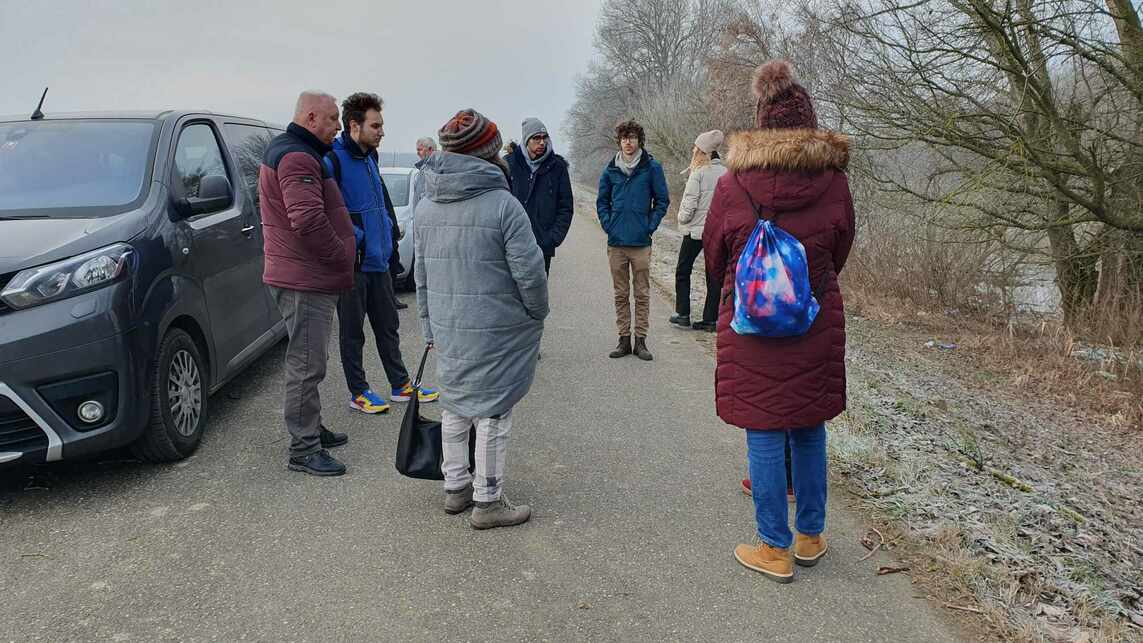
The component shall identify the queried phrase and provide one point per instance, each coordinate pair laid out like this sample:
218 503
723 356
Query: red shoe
747 489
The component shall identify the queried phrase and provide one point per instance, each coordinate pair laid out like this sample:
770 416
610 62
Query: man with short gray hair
310 249
425 147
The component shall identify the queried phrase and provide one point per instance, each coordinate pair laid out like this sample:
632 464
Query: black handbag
419 449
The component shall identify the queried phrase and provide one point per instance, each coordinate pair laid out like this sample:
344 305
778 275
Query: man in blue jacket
353 163
540 181
631 203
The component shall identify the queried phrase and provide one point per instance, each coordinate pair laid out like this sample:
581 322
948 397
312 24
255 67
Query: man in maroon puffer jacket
310 250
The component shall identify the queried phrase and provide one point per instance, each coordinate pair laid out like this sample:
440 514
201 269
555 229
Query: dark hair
630 128
714 155
354 107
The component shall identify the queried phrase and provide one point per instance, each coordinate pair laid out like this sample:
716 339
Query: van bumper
50 367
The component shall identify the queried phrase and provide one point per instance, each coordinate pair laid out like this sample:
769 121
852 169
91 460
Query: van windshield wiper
23 216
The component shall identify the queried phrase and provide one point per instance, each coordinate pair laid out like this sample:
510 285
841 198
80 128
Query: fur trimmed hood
788 149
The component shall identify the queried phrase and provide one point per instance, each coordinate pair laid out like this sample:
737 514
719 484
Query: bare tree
1034 109
651 67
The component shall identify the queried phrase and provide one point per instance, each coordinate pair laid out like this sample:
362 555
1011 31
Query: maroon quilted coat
789 382
309 239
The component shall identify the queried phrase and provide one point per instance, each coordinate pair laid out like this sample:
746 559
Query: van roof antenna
39 115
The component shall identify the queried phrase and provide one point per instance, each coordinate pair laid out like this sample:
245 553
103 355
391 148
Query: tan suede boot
808 550
771 562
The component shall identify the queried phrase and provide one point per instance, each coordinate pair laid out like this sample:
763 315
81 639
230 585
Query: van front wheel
178 401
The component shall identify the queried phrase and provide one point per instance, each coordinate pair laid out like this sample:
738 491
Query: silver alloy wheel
184 391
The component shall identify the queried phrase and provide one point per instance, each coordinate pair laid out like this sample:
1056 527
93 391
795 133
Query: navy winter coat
546 195
630 208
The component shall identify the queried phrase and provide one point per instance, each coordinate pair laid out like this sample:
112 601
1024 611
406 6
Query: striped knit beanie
469 132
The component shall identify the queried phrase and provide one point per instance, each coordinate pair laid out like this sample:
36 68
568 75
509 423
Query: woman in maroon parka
794 174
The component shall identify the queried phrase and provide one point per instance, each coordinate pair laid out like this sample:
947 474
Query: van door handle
248 230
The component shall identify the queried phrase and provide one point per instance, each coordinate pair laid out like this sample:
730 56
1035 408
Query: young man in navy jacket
631 203
353 162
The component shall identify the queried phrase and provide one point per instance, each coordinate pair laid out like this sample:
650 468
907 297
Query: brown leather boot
771 562
641 349
623 349
808 550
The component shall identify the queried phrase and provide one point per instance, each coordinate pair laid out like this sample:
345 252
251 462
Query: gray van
130 279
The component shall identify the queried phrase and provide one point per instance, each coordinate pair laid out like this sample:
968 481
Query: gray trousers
309 321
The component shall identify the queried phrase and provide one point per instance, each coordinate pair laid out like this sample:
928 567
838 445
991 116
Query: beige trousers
627 265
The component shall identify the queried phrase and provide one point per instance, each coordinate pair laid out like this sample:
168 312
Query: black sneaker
681 320
401 305
317 464
329 439
707 326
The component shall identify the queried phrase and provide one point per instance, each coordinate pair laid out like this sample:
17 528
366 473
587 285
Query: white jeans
491 449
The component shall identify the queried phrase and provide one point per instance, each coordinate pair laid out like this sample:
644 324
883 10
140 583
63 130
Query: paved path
633 480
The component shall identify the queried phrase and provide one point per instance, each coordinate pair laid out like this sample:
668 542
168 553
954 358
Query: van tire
177 375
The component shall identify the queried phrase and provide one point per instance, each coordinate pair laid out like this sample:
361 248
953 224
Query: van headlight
66 278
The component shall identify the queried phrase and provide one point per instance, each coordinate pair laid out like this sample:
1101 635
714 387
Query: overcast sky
426 58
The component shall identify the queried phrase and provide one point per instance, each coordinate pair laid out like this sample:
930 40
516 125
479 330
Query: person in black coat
540 180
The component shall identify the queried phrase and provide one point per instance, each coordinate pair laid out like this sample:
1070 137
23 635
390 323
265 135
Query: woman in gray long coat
483 296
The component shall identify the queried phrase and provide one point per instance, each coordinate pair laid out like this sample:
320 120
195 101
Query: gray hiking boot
499 513
459 500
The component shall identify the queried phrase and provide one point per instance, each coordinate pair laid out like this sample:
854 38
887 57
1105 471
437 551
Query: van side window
197 155
248 142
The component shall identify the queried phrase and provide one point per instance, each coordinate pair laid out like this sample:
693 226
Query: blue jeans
766 451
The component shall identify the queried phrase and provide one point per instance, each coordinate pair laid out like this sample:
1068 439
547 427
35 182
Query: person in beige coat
705 169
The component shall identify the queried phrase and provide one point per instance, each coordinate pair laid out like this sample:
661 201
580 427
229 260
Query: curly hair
354 107
630 128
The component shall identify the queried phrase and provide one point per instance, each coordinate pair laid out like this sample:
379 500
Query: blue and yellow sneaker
405 393
369 402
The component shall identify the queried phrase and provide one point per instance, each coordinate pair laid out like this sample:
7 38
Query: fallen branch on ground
1071 513
874 549
1006 478
962 608
1010 480
880 494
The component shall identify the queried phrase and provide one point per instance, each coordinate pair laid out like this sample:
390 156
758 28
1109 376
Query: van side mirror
214 194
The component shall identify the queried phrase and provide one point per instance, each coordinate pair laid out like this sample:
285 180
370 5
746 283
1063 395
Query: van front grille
18 432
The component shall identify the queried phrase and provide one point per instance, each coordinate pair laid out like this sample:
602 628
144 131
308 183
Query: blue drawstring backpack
772 293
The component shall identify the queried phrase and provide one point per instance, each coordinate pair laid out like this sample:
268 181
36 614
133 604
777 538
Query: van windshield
73 168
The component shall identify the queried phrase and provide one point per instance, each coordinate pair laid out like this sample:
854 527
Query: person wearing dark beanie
791 172
473 236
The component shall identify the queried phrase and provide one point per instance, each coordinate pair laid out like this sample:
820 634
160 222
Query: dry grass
972 540
1037 358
